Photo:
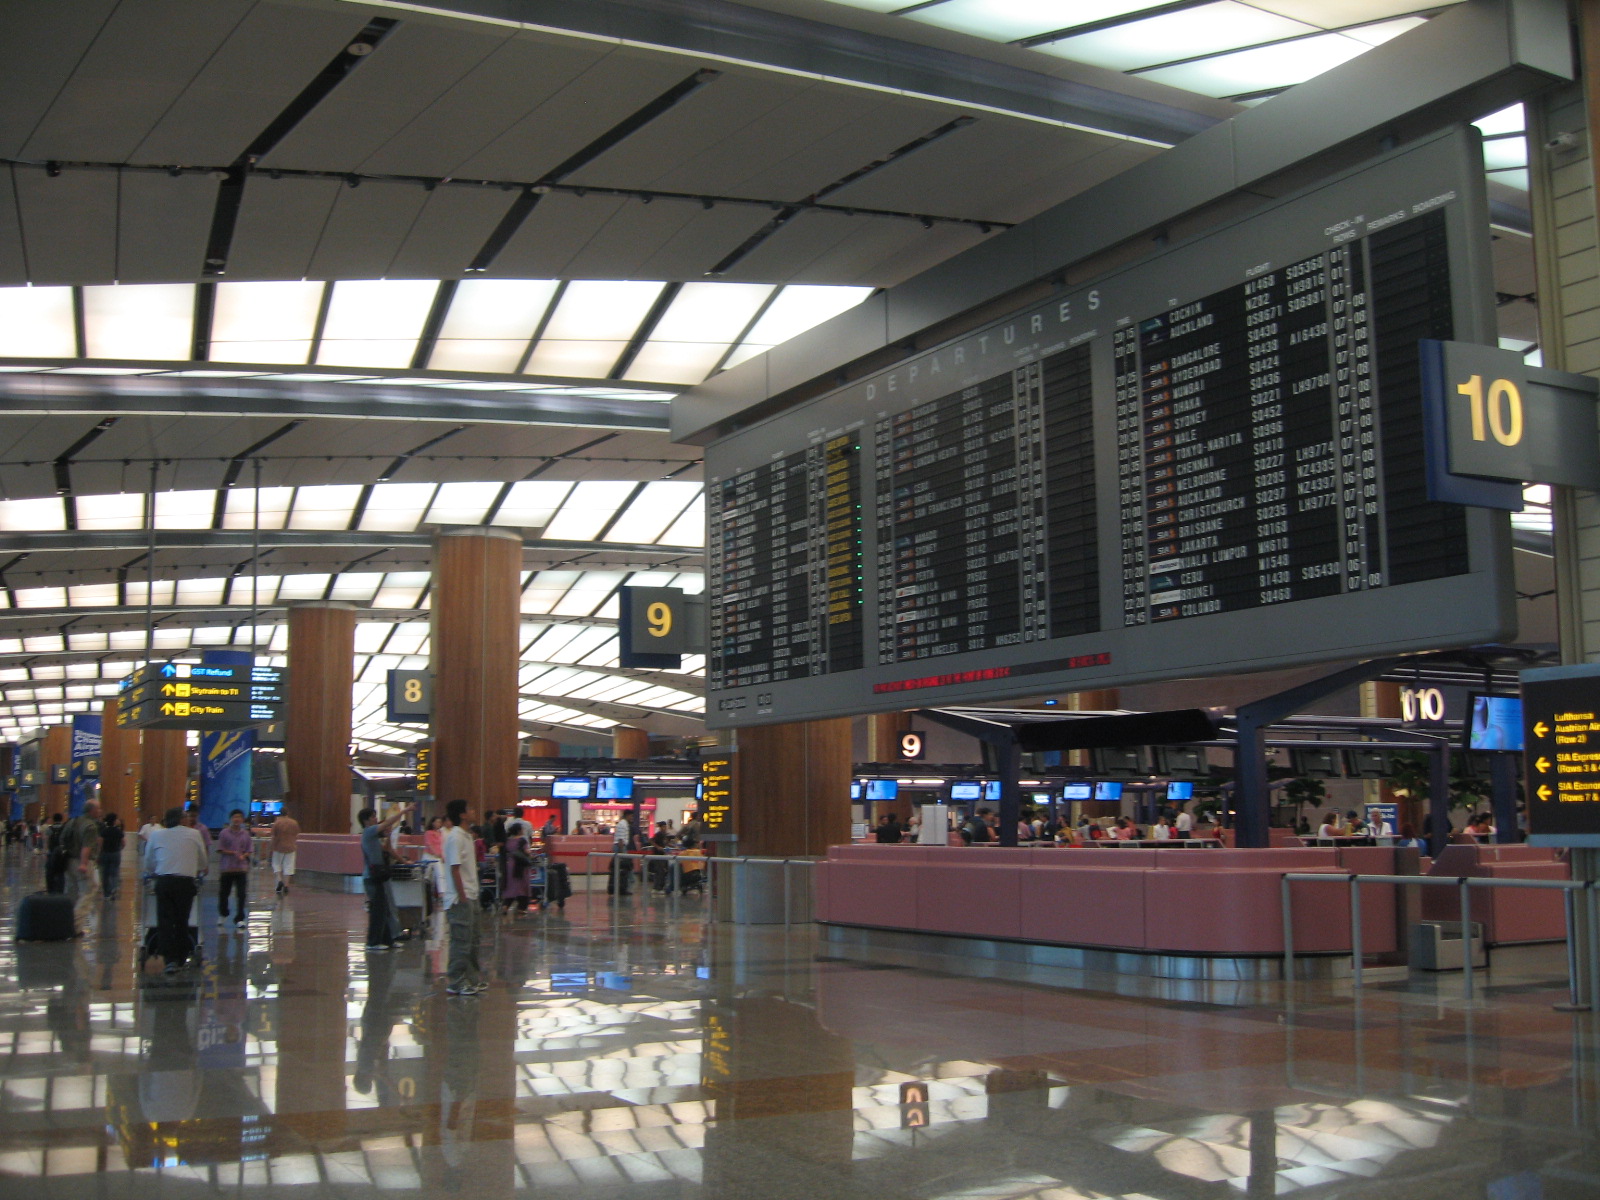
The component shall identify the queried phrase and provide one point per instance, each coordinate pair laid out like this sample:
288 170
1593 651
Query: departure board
1208 462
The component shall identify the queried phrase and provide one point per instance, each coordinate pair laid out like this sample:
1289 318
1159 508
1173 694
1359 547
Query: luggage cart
147 944
407 883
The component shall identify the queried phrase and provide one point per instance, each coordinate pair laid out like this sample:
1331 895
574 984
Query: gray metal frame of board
1465 62
1440 175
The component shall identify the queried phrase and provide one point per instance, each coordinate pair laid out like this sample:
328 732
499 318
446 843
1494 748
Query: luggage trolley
147 944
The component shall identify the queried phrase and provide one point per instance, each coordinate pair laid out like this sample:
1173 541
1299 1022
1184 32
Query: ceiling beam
66 541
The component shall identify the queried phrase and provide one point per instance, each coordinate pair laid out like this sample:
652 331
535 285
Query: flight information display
1208 462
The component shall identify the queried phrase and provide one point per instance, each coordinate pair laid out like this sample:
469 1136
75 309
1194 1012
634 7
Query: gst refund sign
1494 423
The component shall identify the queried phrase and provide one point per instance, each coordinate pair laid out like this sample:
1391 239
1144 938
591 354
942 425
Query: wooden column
165 782
541 748
1096 701
628 742
477 575
54 751
883 736
792 787
1382 699
119 751
322 642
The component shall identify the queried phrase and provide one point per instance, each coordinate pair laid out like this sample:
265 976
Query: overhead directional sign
410 696
1504 420
201 696
658 625
716 809
1561 739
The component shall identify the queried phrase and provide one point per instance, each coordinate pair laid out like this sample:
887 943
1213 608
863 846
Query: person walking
285 837
235 852
381 921
621 879
112 836
464 977
175 855
55 858
80 845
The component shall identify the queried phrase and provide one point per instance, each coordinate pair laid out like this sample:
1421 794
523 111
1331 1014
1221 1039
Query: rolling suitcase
45 917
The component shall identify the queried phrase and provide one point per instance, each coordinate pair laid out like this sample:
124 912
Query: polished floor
637 1051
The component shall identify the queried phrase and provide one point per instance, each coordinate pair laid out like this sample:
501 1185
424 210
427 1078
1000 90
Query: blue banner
225 775
85 774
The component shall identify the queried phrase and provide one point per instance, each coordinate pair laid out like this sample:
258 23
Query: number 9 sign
913 744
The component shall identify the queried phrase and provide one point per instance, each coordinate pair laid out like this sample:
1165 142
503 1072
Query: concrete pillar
477 575
119 752
55 750
792 787
628 742
165 772
322 638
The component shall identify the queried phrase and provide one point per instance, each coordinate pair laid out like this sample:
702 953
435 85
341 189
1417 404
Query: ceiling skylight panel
710 312
1383 31
375 322
240 512
689 529
656 508
265 322
1512 119
42 597
490 323
462 503
586 594
254 590
1008 20
531 504
161 591
546 590
1209 29
874 5
115 510
326 506
799 307
201 591
37 322
146 320
89 595
27 516
1332 14
675 362
400 590
587 510
1500 153
572 359
303 587
185 510
410 638
602 310
356 586
397 507
1261 68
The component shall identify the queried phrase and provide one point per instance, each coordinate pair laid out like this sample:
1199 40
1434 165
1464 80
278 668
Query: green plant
1409 775
1300 792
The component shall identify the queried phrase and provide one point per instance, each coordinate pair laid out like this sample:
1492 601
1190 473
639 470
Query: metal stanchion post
1594 945
785 869
1466 936
1356 954
1574 987
1288 938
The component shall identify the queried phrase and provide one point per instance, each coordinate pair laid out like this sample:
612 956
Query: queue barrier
1464 884
710 864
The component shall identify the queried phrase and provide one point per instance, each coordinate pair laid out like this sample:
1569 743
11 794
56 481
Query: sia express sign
1561 736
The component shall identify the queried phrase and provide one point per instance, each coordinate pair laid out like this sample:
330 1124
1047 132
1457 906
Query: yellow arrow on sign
1544 792
1543 764
1540 729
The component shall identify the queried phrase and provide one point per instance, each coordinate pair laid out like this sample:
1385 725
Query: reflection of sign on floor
914 1105
1561 739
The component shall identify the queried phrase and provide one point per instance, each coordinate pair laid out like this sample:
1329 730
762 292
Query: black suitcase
45 917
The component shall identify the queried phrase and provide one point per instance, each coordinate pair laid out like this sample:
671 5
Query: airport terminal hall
800 599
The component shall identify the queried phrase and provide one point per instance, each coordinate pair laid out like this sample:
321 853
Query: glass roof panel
185 510
20 516
1332 14
303 587
689 529
1227 25
263 588
1499 153
799 307
710 312
375 322
462 503
241 510
327 506
1383 31
497 308
265 322
84 595
42 597
201 591
485 354
586 594
146 320
531 504
1512 119
602 310
37 322
546 590
397 507
117 510
1263 67
657 507
1008 20
587 510
584 360
359 586
675 362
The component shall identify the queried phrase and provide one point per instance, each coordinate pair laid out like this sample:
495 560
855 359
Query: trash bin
1436 946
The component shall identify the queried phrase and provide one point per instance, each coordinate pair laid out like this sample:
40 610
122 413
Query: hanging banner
224 774
85 773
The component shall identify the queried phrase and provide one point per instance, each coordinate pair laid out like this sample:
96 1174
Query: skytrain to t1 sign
1209 462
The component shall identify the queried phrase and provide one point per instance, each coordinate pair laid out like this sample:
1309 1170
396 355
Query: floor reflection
640 1052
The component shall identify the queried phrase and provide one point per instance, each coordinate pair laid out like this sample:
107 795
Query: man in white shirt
1184 825
621 880
176 855
459 873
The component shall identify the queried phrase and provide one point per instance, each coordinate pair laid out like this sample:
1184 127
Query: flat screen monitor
883 789
965 793
1495 723
1368 764
1317 762
571 787
1078 791
1107 790
614 787
1119 760
855 789
1180 760
268 808
1040 798
1180 789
